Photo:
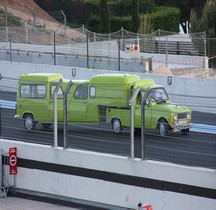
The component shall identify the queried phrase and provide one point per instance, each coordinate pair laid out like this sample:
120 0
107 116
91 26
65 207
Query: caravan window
33 91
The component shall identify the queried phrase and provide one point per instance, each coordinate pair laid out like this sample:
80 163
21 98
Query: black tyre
163 127
116 126
185 132
46 125
29 122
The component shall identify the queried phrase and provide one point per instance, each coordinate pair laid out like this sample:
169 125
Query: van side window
59 93
32 91
81 92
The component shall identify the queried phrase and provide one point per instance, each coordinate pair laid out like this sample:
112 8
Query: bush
118 22
206 22
164 18
93 23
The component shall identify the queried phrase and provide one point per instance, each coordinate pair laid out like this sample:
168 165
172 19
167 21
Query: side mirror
147 102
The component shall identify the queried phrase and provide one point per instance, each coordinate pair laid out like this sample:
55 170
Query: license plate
181 122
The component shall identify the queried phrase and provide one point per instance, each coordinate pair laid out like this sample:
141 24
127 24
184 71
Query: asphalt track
196 127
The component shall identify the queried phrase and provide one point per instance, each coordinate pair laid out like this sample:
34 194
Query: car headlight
175 117
188 115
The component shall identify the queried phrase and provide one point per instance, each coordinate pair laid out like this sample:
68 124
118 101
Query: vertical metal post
159 39
1 169
0 114
119 55
65 113
10 48
65 21
55 112
54 40
133 97
35 25
6 22
138 43
0 121
26 29
143 124
205 51
166 51
87 48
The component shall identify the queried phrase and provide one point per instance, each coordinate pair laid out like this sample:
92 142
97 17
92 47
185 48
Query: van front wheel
29 122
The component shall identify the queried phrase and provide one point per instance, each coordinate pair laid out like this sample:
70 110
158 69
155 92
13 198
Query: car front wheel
185 131
163 128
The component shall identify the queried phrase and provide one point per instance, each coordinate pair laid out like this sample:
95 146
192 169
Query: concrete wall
198 93
111 180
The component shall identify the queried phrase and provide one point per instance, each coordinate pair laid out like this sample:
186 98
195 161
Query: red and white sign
13 160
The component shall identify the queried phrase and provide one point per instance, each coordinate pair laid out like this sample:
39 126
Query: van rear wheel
29 122
116 125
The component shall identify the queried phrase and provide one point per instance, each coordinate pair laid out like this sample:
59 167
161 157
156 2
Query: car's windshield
158 94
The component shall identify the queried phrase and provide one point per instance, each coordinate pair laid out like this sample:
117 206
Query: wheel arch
27 113
162 119
115 118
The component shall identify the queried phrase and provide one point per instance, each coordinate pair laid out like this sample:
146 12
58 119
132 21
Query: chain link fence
197 149
187 50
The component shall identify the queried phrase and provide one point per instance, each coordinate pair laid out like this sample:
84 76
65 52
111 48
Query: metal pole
0 123
6 22
10 48
35 25
65 21
87 49
205 51
166 51
65 113
54 56
118 54
143 124
55 110
133 97
0 116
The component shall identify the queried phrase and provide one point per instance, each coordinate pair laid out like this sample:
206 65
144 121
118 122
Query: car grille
182 115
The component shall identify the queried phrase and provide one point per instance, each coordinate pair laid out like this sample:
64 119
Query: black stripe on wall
119 178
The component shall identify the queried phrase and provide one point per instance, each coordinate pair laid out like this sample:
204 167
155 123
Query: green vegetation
206 22
135 16
118 22
164 18
11 20
104 17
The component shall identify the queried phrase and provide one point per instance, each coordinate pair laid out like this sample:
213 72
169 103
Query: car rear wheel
29 122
